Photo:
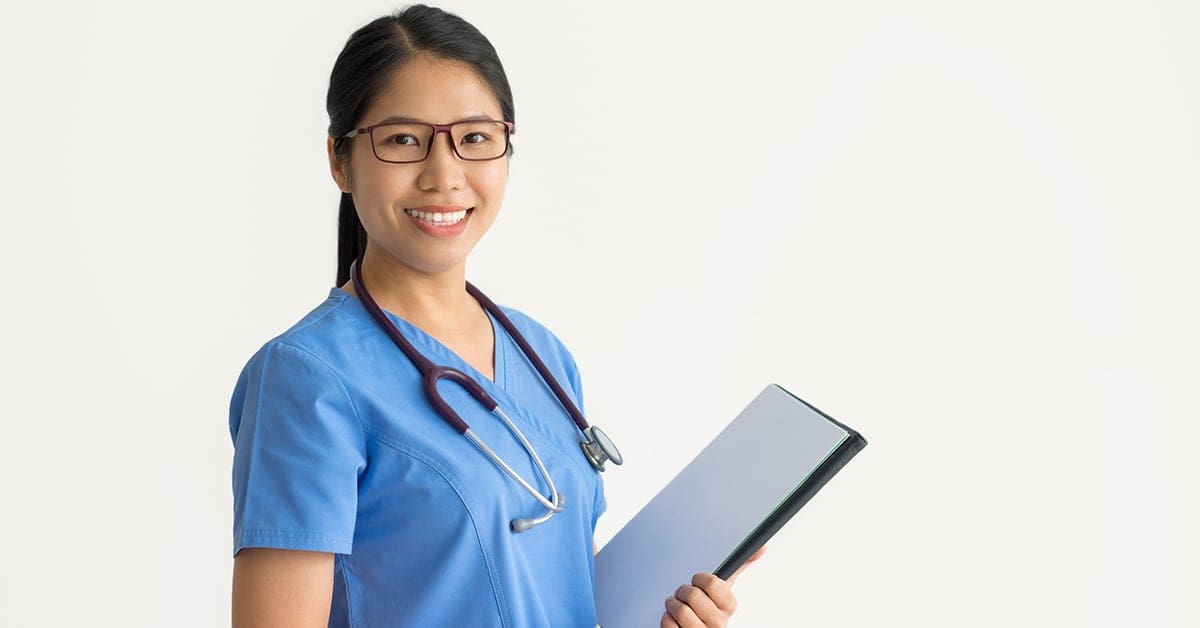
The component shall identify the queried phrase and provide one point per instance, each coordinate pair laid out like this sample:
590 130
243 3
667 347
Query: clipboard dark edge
853 444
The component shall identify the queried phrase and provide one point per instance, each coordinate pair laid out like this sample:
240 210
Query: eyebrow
405 119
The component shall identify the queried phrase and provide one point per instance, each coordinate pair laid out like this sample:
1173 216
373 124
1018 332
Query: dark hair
369 57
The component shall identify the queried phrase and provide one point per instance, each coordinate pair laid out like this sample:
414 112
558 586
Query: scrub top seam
336 376
459 490
350 619
248 534
283 342
533 420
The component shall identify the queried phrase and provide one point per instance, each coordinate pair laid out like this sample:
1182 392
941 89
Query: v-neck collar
446 356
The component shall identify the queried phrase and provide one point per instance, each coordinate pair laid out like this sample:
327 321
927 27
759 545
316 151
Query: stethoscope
597 447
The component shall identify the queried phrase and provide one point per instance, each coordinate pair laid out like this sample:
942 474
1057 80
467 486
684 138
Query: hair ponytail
352 238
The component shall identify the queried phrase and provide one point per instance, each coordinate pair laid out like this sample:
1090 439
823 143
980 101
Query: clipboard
723 506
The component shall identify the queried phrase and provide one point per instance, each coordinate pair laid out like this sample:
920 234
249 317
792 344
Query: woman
355 502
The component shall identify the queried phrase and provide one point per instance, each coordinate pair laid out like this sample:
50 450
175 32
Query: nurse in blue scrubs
355 503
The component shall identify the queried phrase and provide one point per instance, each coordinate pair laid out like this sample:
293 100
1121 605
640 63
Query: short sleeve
298 452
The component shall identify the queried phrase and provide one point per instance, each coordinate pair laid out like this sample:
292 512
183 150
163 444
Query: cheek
490 184
377 189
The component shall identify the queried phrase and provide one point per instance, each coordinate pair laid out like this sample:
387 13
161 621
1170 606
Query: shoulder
300 370
326 335
310 357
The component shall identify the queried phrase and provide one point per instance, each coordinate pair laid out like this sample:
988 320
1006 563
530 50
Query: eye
475 138
402 139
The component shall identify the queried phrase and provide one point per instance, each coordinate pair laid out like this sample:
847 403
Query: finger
682 614
753 557
718 591
702 605
667 621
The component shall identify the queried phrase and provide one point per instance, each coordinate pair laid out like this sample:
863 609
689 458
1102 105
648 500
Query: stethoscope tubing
554 505
432 373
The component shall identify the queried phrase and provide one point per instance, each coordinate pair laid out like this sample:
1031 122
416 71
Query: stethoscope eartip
521 525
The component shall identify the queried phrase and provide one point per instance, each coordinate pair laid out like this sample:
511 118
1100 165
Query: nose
442 170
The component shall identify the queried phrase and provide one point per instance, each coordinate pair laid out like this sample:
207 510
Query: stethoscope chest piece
599 448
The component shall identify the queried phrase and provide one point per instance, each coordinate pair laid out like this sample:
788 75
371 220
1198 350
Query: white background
966 229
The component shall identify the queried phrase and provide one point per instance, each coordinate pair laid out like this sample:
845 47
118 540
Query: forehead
433 90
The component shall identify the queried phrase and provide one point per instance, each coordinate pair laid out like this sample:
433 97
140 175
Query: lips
440 221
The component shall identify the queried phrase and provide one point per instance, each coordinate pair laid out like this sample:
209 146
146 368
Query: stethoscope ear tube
430 382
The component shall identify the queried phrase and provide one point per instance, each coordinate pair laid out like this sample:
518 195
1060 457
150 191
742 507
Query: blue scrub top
337 450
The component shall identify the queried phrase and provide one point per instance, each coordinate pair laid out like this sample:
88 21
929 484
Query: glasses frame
509 130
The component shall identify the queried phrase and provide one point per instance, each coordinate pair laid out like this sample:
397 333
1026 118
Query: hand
707 602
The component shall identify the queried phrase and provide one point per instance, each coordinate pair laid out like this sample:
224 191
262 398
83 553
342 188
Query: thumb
753 557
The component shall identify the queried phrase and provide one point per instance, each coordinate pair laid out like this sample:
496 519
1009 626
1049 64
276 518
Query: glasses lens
480 139
401 142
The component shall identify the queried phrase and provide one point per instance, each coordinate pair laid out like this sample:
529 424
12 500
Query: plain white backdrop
967 229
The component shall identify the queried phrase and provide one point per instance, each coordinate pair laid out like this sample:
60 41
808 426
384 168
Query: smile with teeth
441 219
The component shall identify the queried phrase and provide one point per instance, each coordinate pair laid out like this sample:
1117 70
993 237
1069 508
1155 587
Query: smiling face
425 216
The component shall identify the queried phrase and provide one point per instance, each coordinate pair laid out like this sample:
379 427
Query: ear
337 168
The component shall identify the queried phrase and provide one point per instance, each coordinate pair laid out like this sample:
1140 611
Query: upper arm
281 588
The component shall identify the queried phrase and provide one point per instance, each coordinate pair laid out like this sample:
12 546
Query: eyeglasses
410 142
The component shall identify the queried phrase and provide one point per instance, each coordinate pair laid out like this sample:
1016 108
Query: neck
437 303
